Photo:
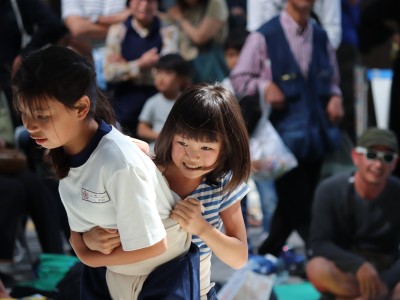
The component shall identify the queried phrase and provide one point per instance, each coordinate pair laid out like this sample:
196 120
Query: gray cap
378 137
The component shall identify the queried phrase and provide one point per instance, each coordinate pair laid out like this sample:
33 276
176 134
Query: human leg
3 291
268 200
396 292
326 277
280 230
293 210
41 207
11 206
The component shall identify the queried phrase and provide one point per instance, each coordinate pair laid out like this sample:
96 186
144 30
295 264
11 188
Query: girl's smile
194 158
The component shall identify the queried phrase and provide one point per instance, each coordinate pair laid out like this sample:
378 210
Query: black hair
174 62
59 74
236 39
212 113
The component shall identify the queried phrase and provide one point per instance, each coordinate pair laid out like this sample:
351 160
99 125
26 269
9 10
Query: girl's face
194 158
51 125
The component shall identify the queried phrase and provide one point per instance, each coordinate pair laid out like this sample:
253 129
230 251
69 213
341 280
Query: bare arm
145 131
231 246
206 31
117 257
82 27
115 18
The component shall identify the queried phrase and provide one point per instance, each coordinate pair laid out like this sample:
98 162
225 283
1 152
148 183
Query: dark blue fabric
303 123
212 294
350 22
130 97
178 279
79 159
94 284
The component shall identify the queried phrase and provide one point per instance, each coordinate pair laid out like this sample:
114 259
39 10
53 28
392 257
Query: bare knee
317 269
396 292
327 277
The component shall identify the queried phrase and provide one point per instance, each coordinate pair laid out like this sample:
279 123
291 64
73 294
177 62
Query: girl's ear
82 107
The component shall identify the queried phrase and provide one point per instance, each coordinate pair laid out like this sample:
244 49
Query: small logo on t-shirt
94 197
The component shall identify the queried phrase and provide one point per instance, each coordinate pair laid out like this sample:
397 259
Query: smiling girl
203 152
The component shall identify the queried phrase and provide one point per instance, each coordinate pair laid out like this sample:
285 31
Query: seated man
355 228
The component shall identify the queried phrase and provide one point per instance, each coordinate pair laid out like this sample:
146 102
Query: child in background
105 179
172 75
203 152
232 46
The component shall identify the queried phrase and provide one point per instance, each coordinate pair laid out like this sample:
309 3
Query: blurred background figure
171 77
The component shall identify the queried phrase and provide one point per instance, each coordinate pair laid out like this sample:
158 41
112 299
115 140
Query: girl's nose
29 123
192 154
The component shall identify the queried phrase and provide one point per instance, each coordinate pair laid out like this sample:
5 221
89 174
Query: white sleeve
329 14
138 221
261 11
71 8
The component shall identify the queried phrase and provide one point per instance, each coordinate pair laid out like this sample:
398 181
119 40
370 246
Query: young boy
171 77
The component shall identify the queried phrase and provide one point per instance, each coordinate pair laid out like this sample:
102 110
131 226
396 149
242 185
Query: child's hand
188 214
100 239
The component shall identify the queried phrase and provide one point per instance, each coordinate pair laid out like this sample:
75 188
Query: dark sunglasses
386 157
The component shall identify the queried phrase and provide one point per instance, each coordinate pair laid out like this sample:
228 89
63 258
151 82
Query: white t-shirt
117 187
91 9
156 110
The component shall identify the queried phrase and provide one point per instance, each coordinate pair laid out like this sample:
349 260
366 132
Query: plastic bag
246 284
270 156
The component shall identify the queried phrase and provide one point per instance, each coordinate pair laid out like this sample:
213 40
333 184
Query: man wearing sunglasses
355 226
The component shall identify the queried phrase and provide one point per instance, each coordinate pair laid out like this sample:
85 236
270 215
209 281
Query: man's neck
367 190
300 16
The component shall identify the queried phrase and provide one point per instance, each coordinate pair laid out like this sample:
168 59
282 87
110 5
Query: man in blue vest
290 62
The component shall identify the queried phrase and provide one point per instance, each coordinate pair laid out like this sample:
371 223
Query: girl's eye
206 148
182 143
42 117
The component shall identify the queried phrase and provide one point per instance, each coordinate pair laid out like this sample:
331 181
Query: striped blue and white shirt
214 202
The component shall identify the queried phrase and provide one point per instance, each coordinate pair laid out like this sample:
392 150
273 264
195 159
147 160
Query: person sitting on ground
355 229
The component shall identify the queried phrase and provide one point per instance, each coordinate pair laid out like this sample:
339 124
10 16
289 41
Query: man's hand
101 239
335 109
274 96
371 287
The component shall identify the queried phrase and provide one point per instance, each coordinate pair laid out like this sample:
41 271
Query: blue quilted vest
303 123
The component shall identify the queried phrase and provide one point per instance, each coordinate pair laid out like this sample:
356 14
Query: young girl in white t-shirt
105 179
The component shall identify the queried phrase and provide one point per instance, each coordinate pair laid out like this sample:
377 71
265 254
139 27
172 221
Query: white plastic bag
245 284
270 156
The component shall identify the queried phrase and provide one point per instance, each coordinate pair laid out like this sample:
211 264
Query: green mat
296 291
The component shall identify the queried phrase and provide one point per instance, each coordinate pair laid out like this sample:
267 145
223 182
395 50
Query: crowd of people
86 85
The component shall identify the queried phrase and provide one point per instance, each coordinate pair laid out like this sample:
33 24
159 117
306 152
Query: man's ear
82 107
355 157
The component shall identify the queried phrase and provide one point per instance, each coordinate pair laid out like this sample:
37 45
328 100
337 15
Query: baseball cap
378 137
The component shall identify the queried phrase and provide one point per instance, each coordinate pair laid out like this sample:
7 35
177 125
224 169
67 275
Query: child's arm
100 239
231 246
145 131
117 257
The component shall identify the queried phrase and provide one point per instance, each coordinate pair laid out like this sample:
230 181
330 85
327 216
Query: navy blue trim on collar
80 158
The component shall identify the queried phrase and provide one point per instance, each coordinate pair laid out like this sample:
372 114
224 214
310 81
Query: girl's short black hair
209 112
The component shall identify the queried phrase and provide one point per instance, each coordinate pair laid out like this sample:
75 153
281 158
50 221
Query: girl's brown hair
209 112
59 74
